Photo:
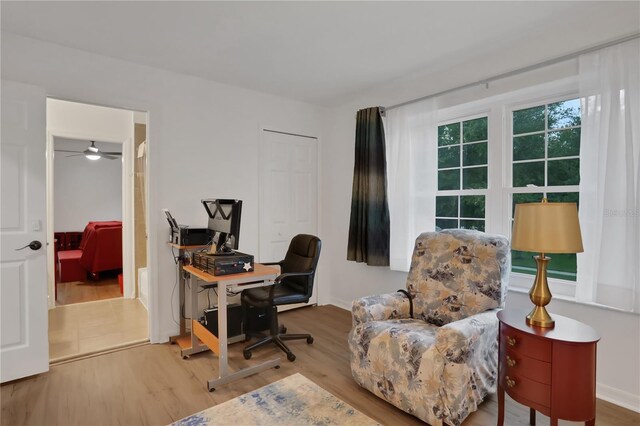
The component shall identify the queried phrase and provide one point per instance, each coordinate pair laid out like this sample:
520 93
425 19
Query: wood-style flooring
106 287
153 385
90 327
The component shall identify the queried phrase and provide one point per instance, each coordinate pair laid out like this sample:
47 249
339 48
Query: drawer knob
510 382
510 361
511 341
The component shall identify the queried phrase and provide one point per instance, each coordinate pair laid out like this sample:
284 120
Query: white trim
618 397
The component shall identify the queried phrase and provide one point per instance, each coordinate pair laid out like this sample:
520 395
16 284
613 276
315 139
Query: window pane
449 179
524 198
562 266
528 147
564 197
528 173
522 261
446 224
564 143
449 157
478 225
475 130
474 178
563 172
564 114
447 206
449 134
528 120
474 154
471 206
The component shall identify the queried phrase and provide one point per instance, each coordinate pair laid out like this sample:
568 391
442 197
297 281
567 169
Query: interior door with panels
24 346
288 193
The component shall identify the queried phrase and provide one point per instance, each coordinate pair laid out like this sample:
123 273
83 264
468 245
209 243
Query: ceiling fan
93 153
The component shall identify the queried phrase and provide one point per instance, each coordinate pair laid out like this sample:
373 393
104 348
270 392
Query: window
546 162
462 174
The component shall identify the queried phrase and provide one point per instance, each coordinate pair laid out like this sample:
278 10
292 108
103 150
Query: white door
288 193
24 346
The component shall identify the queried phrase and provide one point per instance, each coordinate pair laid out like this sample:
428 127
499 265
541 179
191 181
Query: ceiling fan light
93 156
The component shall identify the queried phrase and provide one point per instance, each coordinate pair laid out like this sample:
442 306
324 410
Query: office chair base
278 340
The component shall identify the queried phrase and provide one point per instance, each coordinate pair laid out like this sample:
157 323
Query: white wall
85 190
618 374
203 141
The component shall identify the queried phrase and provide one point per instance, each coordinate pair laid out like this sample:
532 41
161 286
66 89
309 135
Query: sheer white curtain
412 164
609 268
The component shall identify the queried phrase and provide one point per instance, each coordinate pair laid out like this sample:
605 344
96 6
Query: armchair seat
432 350
282 295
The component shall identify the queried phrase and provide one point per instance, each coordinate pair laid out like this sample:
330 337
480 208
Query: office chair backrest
302 256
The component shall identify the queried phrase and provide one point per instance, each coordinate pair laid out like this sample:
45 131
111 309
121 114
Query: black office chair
293 285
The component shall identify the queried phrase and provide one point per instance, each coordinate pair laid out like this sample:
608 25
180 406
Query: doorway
96 217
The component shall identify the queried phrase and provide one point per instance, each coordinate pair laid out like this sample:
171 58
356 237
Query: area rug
294 400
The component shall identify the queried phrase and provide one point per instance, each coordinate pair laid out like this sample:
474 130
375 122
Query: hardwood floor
78 291
153 385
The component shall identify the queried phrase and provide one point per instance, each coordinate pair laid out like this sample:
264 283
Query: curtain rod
546 63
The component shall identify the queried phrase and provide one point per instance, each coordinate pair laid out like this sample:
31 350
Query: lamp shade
547 228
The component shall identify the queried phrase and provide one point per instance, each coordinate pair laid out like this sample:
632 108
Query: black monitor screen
224 221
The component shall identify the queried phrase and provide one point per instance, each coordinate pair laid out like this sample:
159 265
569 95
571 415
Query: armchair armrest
471 337
380 307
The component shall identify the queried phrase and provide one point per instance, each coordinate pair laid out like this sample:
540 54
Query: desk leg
194 308
183 328
223 363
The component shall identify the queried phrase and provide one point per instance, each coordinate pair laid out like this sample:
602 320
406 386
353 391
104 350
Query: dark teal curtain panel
369 225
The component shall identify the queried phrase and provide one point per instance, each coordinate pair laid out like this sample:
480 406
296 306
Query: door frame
262 154
128 234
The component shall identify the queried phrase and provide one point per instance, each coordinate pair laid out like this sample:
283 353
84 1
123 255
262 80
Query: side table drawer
527 388
523 366
524 344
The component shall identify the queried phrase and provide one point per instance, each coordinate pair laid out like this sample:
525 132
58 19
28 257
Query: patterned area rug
294 400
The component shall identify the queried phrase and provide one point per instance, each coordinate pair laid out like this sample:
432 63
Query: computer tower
258 319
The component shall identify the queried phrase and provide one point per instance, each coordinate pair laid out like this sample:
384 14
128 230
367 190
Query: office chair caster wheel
212 389
291 357
277 367
246 354
283 329
309 340
185 357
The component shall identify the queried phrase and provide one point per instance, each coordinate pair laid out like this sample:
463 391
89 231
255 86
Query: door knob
33 245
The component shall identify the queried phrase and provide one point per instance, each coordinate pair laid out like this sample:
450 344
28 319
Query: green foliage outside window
546 149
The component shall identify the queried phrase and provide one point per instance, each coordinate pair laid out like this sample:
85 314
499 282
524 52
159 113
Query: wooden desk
550 370
202 339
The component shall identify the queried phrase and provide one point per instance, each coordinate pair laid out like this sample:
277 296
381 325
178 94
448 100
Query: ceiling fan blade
66 150
74 155
111 153
110 157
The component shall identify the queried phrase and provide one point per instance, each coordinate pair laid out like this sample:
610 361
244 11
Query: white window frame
464 192
498 109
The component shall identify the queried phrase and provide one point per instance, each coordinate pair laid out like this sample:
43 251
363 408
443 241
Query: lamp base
539 317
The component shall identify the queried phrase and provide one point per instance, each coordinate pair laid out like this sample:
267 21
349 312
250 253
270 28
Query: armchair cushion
457 273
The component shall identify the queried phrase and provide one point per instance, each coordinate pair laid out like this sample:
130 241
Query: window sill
573 300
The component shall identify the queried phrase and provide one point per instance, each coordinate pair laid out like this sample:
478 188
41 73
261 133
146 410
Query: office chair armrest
292 274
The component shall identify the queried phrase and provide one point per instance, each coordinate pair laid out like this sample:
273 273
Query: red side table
550 370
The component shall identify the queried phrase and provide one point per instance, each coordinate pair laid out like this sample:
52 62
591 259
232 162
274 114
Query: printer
183 235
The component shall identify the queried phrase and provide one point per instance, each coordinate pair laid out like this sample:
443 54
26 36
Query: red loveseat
100 250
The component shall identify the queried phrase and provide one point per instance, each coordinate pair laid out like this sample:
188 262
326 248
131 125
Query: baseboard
340 303
618 397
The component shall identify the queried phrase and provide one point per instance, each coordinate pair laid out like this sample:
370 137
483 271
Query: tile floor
90 327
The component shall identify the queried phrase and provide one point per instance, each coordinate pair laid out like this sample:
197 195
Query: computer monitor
224 222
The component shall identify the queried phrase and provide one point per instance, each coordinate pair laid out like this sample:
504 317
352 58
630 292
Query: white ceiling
320 52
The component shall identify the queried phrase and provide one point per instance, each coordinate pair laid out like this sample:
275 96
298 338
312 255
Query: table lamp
545 228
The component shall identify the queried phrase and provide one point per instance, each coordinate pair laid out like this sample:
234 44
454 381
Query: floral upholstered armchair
432 350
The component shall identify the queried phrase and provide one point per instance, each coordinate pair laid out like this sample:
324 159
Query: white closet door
288 193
